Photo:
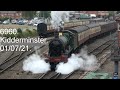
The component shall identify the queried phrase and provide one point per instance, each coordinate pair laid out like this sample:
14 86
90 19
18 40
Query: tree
28 14
111 13
31 14
45 14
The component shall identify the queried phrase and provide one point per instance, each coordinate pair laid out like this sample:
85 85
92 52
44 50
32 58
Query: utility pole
116 58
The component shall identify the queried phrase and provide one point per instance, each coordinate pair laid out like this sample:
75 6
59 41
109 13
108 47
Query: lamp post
114 13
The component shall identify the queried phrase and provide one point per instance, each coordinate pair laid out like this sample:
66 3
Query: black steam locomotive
69 41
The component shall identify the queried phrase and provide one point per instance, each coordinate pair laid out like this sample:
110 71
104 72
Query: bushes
22 34
29 33
9 35
3 19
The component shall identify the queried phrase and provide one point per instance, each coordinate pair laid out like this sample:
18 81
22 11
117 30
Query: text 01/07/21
14 48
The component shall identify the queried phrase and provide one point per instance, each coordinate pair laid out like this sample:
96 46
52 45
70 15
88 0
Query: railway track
96 51
80 74
48 75
103 59
12 59
102 53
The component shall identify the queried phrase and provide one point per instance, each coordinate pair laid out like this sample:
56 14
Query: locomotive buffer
116 54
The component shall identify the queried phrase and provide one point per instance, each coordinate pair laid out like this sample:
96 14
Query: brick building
97 13
11 14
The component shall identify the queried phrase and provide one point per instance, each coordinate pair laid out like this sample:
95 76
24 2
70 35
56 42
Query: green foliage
111 13
19 30
20 33
32 14
8 35
24 34
3 19
34 32
45 14
28 14
29 33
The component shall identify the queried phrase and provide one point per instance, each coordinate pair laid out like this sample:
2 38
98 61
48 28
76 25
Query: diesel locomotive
68 41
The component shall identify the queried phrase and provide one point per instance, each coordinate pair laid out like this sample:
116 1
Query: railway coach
70 41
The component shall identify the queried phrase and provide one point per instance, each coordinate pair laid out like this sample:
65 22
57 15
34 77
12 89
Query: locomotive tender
47 30
70 40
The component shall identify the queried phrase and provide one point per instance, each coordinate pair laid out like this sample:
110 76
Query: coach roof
79 28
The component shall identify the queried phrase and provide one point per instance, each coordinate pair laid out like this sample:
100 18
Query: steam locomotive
69 41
